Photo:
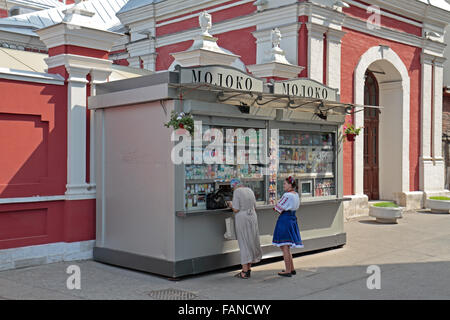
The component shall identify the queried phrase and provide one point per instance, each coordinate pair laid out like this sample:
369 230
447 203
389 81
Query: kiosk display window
309 157
204 178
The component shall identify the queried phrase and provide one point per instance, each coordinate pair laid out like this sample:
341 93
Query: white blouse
289 201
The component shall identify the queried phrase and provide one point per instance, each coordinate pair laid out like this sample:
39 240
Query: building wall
354 44
33 138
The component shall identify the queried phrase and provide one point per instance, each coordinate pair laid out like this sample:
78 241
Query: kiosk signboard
223 77
305 88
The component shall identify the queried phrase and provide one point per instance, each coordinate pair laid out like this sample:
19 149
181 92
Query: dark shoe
283 274
242 275
293 272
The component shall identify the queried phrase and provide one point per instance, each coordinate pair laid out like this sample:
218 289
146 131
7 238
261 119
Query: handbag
230 233
217 199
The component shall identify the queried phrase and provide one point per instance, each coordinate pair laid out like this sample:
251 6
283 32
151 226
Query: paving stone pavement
413 256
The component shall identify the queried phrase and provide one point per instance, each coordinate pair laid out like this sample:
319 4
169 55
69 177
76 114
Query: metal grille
172 294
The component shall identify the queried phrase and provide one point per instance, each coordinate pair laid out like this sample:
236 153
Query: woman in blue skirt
287 234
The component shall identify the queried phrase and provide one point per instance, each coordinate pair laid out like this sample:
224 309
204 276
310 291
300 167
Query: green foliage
440 198
181 121
385 205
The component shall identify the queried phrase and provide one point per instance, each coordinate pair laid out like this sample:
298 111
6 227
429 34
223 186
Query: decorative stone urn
438 206
385 214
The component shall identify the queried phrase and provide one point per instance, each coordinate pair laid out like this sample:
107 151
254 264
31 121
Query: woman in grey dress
246 226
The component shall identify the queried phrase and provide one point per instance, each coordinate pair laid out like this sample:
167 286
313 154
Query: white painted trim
281 14
43 199
300 9
374 54
45 253
394 35
30 76
231 5
31 199
82 62
66 34
384 13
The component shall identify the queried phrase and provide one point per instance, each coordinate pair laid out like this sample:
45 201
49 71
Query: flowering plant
350 130
181 121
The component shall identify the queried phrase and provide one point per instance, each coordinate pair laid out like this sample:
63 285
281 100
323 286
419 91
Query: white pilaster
334 58
426 85
438 74
76 131
315 51
97 77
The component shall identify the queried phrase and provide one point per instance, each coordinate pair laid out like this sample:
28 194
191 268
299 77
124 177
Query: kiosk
151 212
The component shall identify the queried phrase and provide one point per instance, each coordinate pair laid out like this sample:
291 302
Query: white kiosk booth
152 214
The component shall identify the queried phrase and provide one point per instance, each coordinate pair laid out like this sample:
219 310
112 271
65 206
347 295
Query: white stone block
86 255
5 256
6 266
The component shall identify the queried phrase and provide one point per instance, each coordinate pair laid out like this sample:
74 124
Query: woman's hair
292 182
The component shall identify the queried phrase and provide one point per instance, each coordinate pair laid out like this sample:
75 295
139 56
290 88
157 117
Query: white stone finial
276 38
205 21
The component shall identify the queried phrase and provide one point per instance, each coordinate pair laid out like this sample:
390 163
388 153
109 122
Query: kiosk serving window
309 157
204 178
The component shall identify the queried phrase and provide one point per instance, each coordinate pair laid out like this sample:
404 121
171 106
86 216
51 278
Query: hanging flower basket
350 132
181 121
350 136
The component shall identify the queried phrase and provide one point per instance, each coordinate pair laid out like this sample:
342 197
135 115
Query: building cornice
415 10
68 34
30 76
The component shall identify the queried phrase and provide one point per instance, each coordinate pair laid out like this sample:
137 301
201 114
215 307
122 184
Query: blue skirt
286 231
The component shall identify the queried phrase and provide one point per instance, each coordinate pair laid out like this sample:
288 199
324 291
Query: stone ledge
47 253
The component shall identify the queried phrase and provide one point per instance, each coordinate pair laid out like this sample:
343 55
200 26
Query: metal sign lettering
305 88
221 77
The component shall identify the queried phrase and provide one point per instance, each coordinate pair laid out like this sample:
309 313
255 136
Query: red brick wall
354 45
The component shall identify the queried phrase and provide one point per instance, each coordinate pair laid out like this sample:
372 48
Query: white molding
433 47
199 57
43 199
66 34
384 13
280 14
275 69
371 55
286 13
231 5
416 10
30 76
81 62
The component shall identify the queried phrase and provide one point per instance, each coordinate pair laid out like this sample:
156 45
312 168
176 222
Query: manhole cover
172 294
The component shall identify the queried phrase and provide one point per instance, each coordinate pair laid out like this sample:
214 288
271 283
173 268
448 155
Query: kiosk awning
245 99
